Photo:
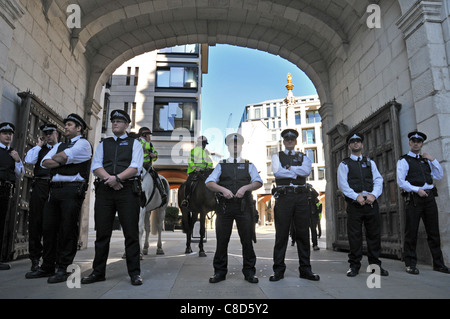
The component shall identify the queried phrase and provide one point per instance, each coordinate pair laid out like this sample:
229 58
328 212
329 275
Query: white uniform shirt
137 158
80 152
33 154
349 192
294 171
215 175
403 168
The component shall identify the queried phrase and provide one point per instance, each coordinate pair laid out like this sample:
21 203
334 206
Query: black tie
290 153
71 144
359 159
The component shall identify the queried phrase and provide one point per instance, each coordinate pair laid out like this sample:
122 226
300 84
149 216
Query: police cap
354 136
289 134
48 128
418 135
121 115
234 137
76 119
7 127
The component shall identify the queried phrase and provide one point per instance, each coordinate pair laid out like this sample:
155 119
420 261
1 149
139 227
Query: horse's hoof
201 254
188 251
145 251
141 256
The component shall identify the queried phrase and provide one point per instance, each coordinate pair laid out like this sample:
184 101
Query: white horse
153 213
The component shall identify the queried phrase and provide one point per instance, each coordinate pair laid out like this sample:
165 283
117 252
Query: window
321 173
311 175
257 113
171 114
311 153
268 112
274 111
313 117
136 76
298 118
309 136
182 49
128 76
177 76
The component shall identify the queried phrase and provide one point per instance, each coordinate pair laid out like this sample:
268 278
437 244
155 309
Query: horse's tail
157 216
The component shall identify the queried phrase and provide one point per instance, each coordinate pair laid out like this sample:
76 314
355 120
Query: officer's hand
15 156
40 141
428 156
228 194
422 193
111 181
360 199
370 199
241 192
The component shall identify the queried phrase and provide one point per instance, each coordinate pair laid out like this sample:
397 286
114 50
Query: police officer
199 161
151 155
40 190
290 169
362 184
117 164
235 179
70 164
415 174
11 169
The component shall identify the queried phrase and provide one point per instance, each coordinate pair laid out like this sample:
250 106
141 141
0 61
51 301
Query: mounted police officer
199 161
40 190
291 169
117 164
362 184
151 155
70 168
234 179
415 174
11 169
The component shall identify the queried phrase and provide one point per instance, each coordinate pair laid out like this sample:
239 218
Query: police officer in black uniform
70 164
290 169
117 164
235 179
415 174
362 184
11 169
39 193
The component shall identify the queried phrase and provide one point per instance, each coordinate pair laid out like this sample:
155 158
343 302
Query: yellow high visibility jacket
199 159
148 148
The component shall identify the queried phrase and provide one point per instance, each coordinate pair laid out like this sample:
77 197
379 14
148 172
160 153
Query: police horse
202 201
152 214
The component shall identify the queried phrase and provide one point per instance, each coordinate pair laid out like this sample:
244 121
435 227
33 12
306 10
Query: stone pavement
179 276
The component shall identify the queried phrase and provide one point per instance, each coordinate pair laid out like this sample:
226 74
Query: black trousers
291 208
224 225
369 216
425 208
39 196
126 204
61 224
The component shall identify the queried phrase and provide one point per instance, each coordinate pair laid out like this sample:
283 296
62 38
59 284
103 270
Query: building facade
269 119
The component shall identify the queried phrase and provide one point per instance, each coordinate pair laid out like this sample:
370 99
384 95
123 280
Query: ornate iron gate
33 113
382 144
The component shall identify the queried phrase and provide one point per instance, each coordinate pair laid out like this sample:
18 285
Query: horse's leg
187 229
147 231
141 227
201 252
159 250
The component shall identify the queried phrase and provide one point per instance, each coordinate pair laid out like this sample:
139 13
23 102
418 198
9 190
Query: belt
62 184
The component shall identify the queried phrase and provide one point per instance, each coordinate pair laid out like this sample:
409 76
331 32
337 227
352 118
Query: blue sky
239 76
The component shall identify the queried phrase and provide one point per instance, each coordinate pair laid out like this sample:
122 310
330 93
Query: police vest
7 166
234 175
419 171
72 169
117 155
359 176
292 160
148 148
40 171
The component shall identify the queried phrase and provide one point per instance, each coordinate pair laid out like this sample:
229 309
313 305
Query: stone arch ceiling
309 33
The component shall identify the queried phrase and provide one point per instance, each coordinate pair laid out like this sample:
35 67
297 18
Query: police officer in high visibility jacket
117 164
40 191
151 155
70 164
199 160
290 169
362 184
235 179
415 174
11 169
